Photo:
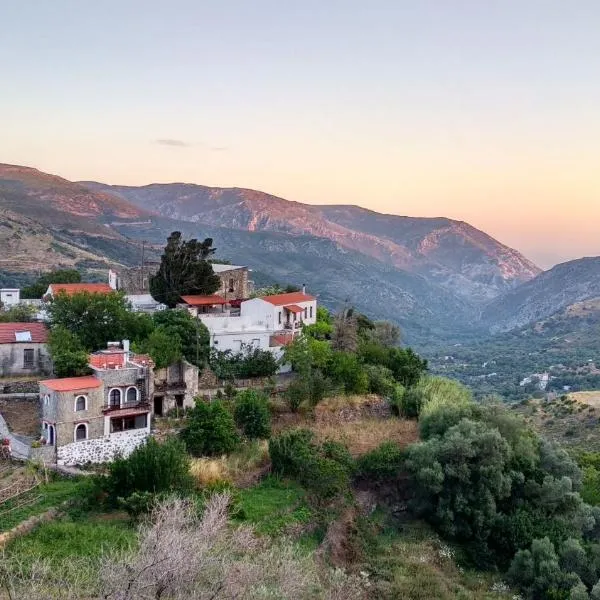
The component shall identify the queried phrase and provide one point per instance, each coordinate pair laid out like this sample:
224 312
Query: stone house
92 418
175 387
136 280
24 350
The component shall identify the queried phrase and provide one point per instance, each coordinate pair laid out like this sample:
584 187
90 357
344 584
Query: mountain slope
461 259
545 295
48 222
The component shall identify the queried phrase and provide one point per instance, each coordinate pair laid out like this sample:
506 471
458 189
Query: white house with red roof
93 418
24 350
282 312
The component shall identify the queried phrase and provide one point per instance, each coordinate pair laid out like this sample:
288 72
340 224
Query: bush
324 469
345 369
249 362
297 392
381 380
210 430
252 414
382 463
151 467
396 398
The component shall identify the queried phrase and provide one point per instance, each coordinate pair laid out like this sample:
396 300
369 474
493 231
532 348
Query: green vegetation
248 362
252 414
210 430
40 287
69 357
17 314
184 270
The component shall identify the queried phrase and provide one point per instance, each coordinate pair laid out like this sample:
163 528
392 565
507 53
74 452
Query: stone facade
101 450
175 387
13 362
234 280
59 411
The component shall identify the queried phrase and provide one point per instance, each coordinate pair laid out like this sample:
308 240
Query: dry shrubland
182 556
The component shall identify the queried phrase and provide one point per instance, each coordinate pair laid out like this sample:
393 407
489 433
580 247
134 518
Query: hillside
545 295
454 255
48 222
564 345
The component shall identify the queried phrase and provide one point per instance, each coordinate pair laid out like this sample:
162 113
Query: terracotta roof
294 308
203 300
291 298
77 288
38 332
107 360
72 384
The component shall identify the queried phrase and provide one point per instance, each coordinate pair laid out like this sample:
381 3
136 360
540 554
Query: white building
144 303
9 297
282 312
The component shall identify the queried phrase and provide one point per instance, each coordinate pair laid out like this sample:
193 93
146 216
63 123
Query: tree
40 287
163 348
68 355
210 430
191 333
21 313
345 331
152 467
406 365
184 269
96 319
345 370
252 414
387 334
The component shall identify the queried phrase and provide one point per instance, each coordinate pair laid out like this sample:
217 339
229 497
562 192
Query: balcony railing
293 325
137 404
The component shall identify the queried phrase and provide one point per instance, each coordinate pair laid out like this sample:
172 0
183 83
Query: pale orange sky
481 111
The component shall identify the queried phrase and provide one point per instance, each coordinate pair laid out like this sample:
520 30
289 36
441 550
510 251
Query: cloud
171 142
219 149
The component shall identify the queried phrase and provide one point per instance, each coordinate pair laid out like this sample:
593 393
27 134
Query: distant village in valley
92 418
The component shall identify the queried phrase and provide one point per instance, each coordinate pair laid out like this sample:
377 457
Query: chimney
125 344
113 279
304 288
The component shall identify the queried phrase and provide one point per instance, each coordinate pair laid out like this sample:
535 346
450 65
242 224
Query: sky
485 111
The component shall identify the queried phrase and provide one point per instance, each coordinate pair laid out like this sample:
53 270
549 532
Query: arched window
81 432
132 395
114 397
80 403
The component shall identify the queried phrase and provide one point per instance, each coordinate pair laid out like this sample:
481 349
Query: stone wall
373 407
12 359
19 387
234 284
100 450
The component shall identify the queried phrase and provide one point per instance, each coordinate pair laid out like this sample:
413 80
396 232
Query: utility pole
142 266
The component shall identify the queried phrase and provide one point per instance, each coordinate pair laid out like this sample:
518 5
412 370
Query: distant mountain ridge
452 254
549 293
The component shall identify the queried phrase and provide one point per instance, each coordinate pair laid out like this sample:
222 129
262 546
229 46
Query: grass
367 434
77 538
237 467
275 506
44 497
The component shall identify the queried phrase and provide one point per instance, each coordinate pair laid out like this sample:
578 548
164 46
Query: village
110 411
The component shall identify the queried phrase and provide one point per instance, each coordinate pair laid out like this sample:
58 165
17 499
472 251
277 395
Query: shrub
382 463
396 398
297 392
323 469
210 430
252 414
151 467
381 380
345 369
138 503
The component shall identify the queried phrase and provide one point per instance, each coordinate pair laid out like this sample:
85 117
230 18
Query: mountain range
439 278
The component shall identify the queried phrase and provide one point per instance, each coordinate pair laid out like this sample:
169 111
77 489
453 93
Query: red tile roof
291 298
281 339
77 288
72 384
294 308
8 331
203 300
108 360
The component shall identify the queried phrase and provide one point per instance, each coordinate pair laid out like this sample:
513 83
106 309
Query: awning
204 300
128 412
294 308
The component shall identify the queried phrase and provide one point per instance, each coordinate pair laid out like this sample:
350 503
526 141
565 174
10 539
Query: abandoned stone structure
23 349
136 280
175 387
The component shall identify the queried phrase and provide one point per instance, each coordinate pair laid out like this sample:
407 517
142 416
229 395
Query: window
256 343
231 285
81 432
311 312
28 355
132 395
46 399
179 400
305 312
279 315
128 423
80 403
114 398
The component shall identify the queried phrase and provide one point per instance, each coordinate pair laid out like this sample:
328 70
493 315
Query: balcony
293 326
168 386
141 405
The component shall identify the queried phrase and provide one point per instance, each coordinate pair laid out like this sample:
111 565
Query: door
158 406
